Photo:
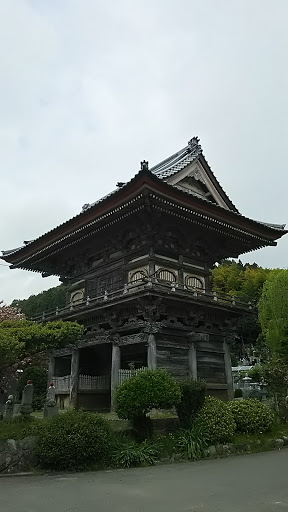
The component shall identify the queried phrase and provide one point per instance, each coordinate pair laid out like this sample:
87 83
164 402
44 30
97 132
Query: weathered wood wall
173 357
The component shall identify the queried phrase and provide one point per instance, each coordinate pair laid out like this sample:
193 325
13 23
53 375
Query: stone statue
27 397
2 403
51 396
50 408
9 408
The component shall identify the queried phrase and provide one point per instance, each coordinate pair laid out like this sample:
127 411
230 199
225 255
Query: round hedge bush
216 421
251 415
74 440
149 389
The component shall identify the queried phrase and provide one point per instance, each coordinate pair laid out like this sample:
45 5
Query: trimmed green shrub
39 379
192 443
128 454
216 421
75 440
192 399
251 415
149 389
238 393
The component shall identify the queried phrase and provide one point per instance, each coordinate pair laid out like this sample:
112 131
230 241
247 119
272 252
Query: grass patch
261 441
19 428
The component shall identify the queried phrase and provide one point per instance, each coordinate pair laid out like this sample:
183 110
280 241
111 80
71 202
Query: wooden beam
115 367
152 355
192 361
74 377
228 370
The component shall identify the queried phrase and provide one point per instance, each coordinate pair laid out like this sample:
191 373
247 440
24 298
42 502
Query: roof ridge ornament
144 165
194 144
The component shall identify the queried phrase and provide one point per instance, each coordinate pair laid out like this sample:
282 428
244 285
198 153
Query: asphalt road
247 483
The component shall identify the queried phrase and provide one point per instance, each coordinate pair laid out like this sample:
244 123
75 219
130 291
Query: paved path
247 483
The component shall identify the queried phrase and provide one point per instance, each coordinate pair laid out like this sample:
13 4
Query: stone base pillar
115 367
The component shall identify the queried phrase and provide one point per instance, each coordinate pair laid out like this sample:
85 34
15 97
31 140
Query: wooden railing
150 284
85 382
62 383
96 382
127 374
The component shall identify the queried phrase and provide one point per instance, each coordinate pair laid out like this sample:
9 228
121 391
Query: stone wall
17 456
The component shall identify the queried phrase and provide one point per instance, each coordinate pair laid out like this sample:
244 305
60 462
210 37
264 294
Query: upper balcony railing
130 289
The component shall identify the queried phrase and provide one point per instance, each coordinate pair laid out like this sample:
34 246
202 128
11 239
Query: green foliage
272 309
238 393
216 420
259 443
236 279
256 373
75 440
20 427
193 442
250 415
149 389
245 282
39 380
48 300
127 453
275 374
165 445
192 399
21 338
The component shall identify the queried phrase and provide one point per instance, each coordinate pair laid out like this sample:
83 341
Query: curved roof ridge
270 225
170 165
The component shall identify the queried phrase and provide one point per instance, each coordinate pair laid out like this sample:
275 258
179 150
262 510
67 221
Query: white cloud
90 88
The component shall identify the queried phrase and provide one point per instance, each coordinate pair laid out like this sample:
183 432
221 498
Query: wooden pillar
74 377
228 370
51 369
152 352
192 361
115 367
151 267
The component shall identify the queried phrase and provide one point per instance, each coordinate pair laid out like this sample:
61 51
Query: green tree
275 373
20 339
137 396
245 281
48 300
227 278
272 309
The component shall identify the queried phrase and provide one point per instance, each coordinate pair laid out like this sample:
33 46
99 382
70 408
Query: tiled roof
89 205
179 160
163 171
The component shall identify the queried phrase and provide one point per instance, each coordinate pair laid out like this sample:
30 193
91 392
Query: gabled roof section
180 170
162 181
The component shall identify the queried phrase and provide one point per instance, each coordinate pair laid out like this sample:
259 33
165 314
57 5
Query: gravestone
2 403
50 408
8 415
27 397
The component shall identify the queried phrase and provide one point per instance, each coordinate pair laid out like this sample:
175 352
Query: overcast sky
90 88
